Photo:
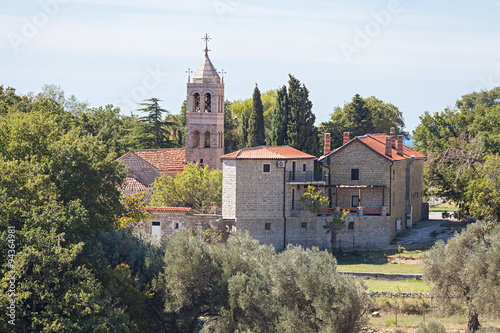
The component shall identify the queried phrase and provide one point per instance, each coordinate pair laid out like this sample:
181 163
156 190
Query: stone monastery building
377 178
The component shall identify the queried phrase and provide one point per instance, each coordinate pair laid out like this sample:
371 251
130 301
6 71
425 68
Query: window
197 102
207 139
303 226
196 139
266 168
354 174
304 167
267 226
293 199
156 229
355 201
393 174
208 102
350 226
176 226
201 161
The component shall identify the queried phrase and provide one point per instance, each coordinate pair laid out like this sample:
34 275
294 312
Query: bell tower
205 115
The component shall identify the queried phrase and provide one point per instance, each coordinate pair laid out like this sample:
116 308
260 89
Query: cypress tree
244 132
256 130
279 119
301 132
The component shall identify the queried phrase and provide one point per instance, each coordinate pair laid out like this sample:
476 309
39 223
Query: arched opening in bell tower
207 139
197 102
196 139
208 102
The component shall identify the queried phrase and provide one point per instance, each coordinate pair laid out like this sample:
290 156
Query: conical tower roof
206 73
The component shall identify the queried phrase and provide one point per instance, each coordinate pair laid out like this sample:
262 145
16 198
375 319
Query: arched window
197 102
207 139
208 102
196 139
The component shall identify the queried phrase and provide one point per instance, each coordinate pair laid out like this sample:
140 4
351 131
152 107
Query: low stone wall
383 276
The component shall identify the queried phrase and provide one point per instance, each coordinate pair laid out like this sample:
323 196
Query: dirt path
429 230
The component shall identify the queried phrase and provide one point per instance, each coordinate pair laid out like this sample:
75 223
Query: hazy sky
418 55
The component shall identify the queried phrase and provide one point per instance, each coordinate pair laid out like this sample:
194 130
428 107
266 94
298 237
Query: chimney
393 137
388 146
346 137
327 144
400 145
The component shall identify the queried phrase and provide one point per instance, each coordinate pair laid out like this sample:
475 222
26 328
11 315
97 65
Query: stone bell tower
205 115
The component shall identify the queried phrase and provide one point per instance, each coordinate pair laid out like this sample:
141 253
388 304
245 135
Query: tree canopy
466 269
461 144
195 187
362 116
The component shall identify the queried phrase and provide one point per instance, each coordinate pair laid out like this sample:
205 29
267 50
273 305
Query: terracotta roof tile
267 153
132 185
376 142
165 160
172 209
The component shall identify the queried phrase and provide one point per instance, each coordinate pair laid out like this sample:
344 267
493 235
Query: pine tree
359 116
301 132
156 135
279 119
256 130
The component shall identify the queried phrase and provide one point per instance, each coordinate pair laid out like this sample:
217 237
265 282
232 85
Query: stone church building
375 177
204 134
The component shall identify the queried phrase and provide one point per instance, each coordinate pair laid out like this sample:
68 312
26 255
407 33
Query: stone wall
229 189
307 231
398 195
417 189
373 170
140 168
172 223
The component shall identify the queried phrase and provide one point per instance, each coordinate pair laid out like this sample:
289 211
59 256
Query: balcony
307 177
359 211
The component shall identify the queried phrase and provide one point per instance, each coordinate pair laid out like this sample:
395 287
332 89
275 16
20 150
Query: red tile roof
165 160
132 185
376 142
172 209
267 153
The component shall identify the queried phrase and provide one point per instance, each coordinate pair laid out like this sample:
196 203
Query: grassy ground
412 312
406 262
410 286
444 207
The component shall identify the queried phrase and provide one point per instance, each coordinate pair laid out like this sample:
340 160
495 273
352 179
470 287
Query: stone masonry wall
229 189
173 222
417 189
307 231
373 170
398 196
259 194
140 168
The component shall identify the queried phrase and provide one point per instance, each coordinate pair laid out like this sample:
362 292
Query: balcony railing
317 176
360 211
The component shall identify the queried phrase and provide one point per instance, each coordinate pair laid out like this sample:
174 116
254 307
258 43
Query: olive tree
467 270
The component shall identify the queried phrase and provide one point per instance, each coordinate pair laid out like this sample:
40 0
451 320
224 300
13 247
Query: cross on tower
189 72
206 39
222 74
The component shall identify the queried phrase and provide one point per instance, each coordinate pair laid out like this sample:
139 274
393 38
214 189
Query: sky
418 55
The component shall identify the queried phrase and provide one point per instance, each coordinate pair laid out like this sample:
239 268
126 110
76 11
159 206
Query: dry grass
412 312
